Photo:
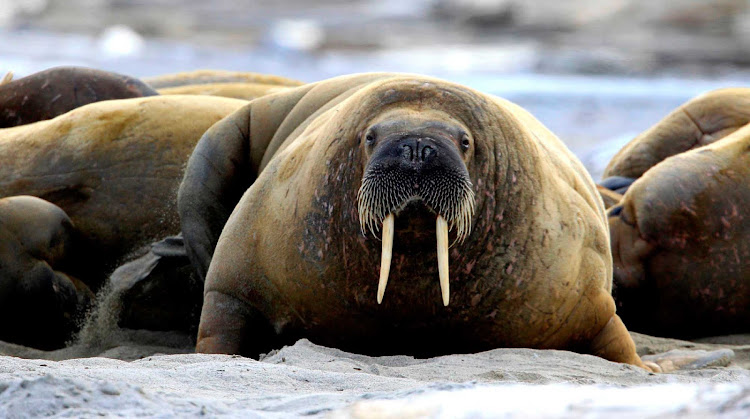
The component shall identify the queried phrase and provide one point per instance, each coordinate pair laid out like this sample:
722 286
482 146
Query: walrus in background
197 77
39 302
49 93
305 172
112 169
700 121
681 241
245 91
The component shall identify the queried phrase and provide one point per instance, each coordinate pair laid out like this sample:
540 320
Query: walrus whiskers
381 197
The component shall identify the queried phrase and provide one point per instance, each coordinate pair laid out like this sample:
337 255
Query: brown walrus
306 172
681 241
49 93
700 121
112 169
40 297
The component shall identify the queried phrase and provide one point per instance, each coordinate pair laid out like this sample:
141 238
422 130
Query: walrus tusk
386 254
442 253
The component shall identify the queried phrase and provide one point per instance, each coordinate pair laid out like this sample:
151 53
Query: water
594 115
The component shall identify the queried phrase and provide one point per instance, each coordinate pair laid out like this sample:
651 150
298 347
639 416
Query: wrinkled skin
681 242
49 93
111 169
281 176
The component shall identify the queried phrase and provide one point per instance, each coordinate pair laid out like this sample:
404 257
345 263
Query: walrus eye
465 143
369 139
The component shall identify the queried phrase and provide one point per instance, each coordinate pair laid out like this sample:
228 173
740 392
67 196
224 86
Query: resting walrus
108 173
306 172
52 92
681 242
700 121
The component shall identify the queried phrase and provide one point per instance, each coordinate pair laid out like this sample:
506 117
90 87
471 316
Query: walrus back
49 93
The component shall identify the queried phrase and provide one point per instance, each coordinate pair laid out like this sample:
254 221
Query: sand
139 378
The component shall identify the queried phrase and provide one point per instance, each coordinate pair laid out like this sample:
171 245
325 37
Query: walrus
700 121
245 91
681 241
112 169
52 92
35 292
197 77
282 201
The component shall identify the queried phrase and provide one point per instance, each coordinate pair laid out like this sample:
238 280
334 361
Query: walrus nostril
407 152
427 151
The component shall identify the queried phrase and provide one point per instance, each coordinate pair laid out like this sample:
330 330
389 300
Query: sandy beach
310 380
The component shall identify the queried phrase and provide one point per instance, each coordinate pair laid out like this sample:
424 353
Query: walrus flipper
233 327
615 344
217 175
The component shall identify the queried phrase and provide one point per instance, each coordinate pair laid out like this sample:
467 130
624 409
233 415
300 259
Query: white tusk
442 253
386 254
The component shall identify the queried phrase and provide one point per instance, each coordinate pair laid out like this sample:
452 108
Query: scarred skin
681 241
702 120
291 261
111 167
49 93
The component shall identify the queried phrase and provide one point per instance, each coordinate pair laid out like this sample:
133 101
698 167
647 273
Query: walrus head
416 161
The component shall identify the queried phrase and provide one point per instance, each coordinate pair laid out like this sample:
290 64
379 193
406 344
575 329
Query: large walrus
52 92
681 234
301 181
107 175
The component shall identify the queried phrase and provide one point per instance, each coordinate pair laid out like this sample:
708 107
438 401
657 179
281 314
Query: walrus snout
420 163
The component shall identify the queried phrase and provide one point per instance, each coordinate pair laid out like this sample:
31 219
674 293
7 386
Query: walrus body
534 271
701 121
681 240
49 93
